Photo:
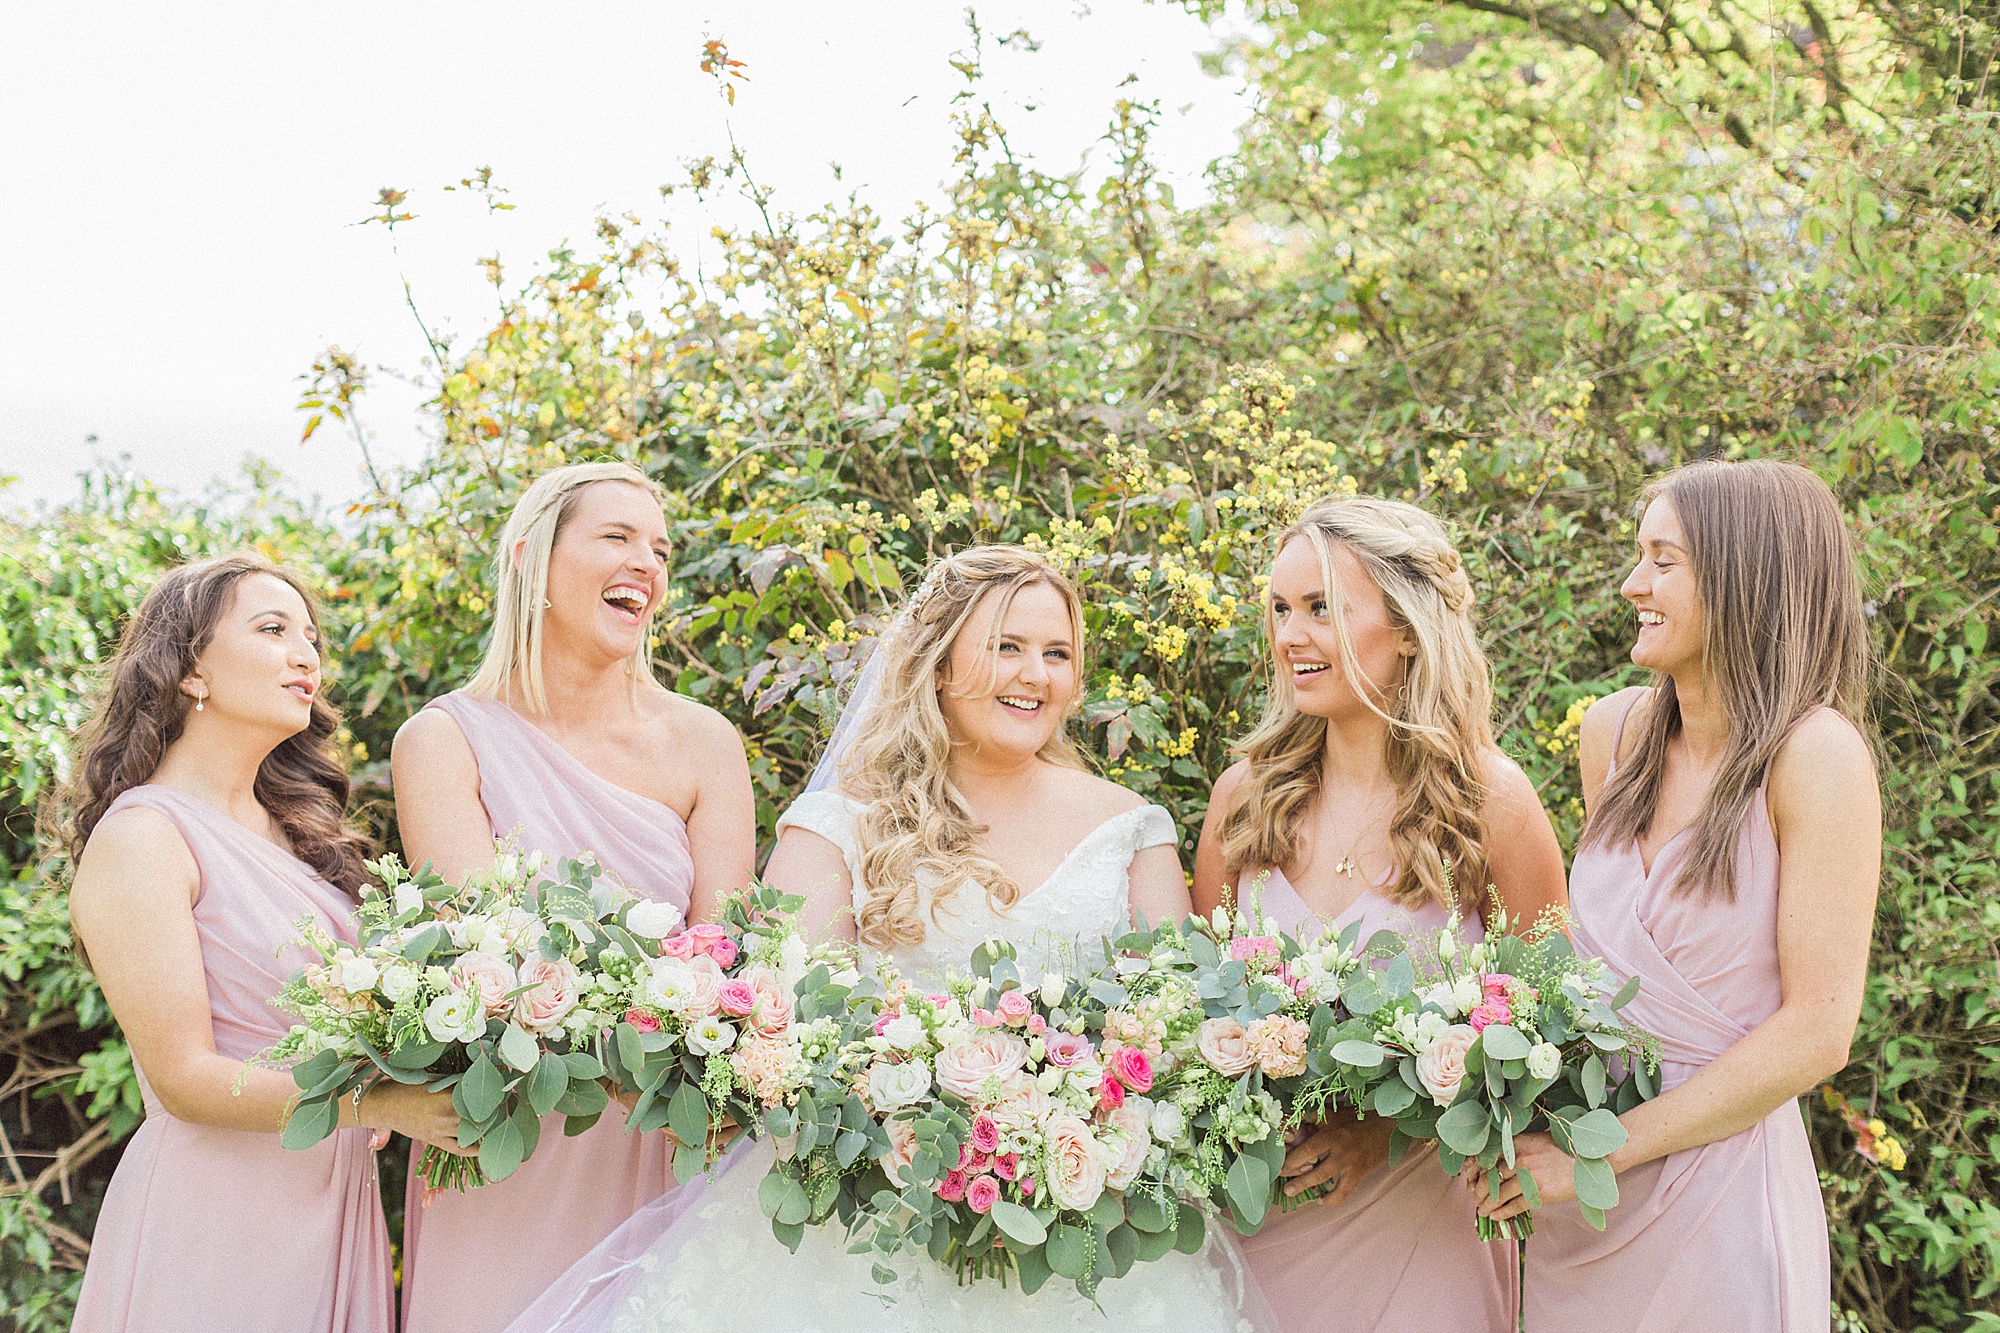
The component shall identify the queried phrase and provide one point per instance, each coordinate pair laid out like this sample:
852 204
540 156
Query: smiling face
1662 587
607 571
261 668
1308 645
1036 676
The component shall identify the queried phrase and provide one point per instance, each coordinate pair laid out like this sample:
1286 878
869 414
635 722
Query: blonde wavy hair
900 763
1440 729
514 654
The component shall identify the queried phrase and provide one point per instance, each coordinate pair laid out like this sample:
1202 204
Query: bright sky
179 183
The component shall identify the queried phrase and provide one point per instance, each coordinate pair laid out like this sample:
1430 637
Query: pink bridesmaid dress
474 1260
1401 1253
211 1228
1728 1235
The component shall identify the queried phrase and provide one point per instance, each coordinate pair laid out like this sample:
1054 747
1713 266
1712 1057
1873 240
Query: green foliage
1510 273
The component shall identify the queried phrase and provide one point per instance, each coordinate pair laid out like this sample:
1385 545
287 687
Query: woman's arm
1211 875
812 867
1826 811
132 907
722 827
438 810
1159 887
1522 855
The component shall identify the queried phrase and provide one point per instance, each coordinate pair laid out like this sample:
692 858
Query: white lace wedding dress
703 1257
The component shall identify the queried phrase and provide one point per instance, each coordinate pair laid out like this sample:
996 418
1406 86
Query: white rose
1544 1061
794 959
892 1086
455 1016
355 973
1169 1122
1466 994
652 920
409 898
1054 987
710 1036
399 982
1439 995
904 1033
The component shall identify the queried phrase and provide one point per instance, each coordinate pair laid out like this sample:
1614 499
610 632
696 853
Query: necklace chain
1347 865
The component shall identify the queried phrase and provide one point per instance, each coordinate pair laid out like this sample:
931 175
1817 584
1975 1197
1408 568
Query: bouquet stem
1519 1227
994 1263
443 1171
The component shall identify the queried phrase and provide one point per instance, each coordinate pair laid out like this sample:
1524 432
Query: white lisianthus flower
710 1036
793 959
904 1033
1544 1061
1049 1079
507 867
1439 995
356 973
1429 1026
669 984
652 920
1466 993
846 976
399 982
409 898
892 1086
1448 940
1054 987
455 1016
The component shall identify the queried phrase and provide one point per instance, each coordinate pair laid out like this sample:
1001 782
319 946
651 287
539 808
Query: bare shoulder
1510 792
132 854
1600 721
429 737
693 724
1825 757
1225 786
1104 798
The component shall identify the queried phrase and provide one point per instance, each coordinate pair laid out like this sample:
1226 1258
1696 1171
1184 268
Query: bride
951 808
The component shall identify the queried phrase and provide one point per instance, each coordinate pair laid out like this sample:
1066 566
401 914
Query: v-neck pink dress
211 1228
1728 1235
472 1261
1401 1254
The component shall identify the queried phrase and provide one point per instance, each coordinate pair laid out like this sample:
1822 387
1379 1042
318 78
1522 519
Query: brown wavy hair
1784 635
141 710
1440 732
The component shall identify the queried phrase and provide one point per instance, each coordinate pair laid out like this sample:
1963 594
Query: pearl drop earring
198 701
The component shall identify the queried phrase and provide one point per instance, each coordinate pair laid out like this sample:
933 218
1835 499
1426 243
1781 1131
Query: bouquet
985 1125
497 990
1471 1045
706 1030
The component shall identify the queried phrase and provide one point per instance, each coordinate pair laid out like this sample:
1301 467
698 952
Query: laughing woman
1372 792
565 742
206 817
1730 862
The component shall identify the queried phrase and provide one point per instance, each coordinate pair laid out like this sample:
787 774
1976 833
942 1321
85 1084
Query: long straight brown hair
1784 635
141 710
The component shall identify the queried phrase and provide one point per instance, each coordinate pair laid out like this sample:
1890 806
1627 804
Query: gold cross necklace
1347 865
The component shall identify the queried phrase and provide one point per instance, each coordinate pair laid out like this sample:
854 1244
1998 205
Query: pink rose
1496 981
981 1163
1221 1043
1064 1049
1110 1094
707 982
490 976
965 1155
706 935
723 951
952 1188
1441 1065
965 1068
678 946
1076 1164
1014 1008
736 997
902 1146
985 1132
1007 1165
982 1194
554 990
1246 947
774 999
984 1018
642 1020
1037 1025
1027 1187
1488 1012
1278 1044
1130 1066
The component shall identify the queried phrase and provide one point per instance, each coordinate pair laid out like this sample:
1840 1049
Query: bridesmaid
1372 770
1730 862
206 820
565 742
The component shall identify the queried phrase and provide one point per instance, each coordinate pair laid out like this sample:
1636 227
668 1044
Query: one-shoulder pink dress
1728 1235
211 1228
474 1260
1401 1254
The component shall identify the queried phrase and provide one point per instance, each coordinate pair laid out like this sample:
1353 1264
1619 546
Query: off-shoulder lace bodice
1083 900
